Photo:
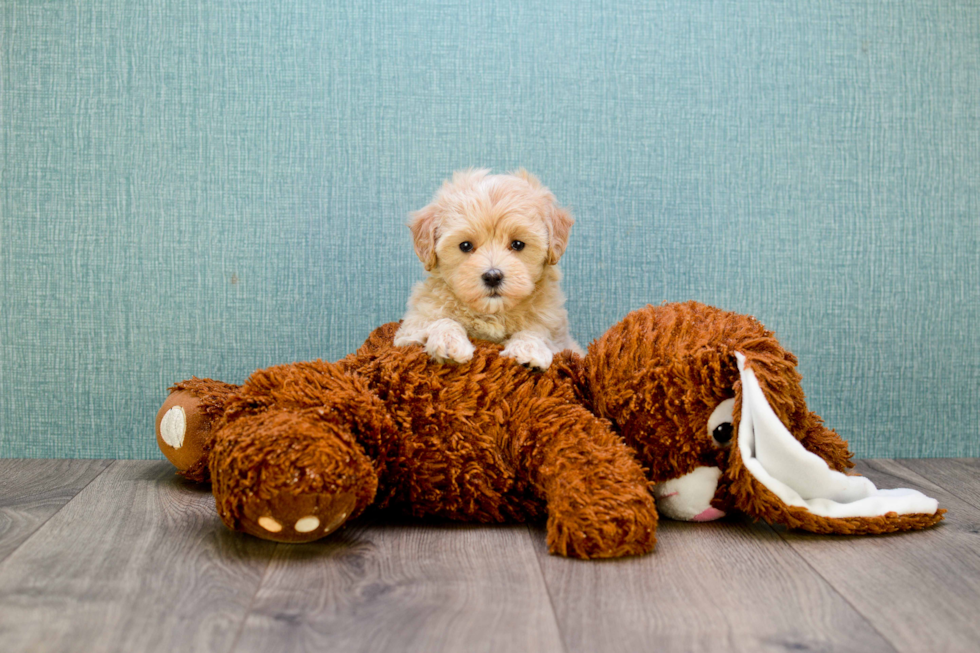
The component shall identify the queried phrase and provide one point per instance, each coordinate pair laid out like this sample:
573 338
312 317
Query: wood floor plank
722 586
33 490
405 587
920 590
958 476
138 561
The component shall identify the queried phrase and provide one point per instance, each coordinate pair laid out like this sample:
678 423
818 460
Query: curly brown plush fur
660 373
299 449
490 441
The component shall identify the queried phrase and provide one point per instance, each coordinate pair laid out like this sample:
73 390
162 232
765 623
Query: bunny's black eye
722 433
720 423
466 246
517 245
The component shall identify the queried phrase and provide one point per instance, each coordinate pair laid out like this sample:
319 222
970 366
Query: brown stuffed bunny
709 402
299 449
714 409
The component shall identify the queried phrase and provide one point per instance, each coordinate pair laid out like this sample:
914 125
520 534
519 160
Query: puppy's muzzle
492 278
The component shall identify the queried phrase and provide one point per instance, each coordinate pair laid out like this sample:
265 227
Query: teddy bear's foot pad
182 428
301 519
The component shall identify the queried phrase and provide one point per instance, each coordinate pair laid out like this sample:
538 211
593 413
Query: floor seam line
970 502
836 591
40 526
251 602
547 589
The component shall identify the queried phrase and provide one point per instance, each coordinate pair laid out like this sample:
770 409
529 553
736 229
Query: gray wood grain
721 586
405 587
920 590
138 561
958 476
33 490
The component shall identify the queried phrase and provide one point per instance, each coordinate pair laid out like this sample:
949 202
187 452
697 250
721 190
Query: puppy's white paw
411 332
447 341
528 349
406 339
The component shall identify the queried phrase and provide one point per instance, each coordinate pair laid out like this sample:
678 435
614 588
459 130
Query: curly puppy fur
491 245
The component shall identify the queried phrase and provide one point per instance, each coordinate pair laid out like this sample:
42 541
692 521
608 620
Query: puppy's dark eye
723 433
517 245
466 246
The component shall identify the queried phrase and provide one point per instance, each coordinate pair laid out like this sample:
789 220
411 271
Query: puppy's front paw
447 341
408 338
529 350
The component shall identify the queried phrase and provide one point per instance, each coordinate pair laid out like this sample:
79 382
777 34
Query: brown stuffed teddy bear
299 449
696 393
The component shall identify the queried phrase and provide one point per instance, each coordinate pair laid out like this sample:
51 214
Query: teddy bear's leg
183 424
598 498
289 475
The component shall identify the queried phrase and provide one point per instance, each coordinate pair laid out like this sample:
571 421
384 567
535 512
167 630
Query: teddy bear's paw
448 341
628 535
297 519
528 349
182 428
608 521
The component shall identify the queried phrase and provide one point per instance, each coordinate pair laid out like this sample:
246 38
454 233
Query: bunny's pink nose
710 514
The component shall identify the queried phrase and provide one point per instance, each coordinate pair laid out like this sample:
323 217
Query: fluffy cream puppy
491 245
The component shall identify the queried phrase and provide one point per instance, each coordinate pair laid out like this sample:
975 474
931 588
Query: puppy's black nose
492 278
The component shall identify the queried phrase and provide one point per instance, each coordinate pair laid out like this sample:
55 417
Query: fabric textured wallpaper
205 188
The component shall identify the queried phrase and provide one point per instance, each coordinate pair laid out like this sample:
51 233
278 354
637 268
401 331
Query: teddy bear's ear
775 478
424 225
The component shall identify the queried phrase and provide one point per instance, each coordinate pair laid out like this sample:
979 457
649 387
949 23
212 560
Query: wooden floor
124 556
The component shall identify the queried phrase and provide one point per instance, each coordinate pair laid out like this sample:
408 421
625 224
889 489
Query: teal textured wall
204 188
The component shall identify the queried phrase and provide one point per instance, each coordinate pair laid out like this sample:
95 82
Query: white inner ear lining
803 479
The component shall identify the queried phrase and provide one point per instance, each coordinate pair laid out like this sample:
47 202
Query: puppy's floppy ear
528 177
424 224
559 222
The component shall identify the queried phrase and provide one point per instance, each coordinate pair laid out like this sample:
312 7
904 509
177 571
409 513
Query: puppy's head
491 237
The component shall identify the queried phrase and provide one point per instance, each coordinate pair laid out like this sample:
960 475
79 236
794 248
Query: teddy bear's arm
597 496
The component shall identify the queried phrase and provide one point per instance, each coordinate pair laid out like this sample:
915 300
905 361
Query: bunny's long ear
776 479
